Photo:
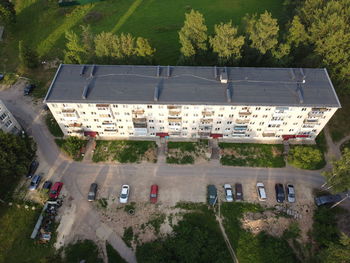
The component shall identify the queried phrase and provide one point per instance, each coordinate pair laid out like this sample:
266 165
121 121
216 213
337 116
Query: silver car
124 194
228 193
290 193
34 183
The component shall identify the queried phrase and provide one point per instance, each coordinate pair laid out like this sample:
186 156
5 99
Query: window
88 126
149 106
125 106
95 120
291 130
257 108
3 116
295 123
303 109
227 129
120 127
220 115
261 123
230 116
150 120
258 129
255 116
186 107
151 127
194 128
195 115
115 106
184 128
217 129
83 112
267 109
93 113
160 121
299 117
99 126
79 106
160 107
54 105
229 122
218 122
252 122
264 116
66 126
161 128
125 113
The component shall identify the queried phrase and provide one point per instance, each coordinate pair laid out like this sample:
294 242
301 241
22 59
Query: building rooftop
192 85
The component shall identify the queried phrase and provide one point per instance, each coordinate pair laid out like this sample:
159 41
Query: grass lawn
125 151
157 20
72 146
339 125
186 152
248 247
53 126
252 154
16 226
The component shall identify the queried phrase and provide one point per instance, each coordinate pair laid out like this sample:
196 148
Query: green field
43 24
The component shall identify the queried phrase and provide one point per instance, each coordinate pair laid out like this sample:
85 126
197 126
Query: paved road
181 182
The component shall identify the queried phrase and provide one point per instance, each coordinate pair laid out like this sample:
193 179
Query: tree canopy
339 178
226 43
337 252
7 12
262 32
28 57
305 157
193 35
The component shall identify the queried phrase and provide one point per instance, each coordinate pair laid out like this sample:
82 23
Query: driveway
186 183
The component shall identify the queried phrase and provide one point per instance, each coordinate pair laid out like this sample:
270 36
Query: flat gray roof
192 85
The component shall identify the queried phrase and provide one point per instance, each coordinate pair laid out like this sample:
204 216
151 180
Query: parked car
261 191
327 199
92 192
239 192
154 193
124 194
1 76
34 183
290 193
28 89
47 185
228 193
212 194
55 190
280 196
32 168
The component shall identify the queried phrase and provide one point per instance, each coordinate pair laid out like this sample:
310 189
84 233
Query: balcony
68 110
138 111
102 106
75 125
245 113
177 120
245 121
207 113
269 134
174 113
108 124
139 120
311 121
173 107
206 121
240 127
140 125
204 134
316 114
110 130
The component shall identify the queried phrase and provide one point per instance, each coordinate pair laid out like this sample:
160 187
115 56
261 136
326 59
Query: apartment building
251 104
7 122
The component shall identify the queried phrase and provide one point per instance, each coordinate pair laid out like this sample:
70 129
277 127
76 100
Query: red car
154 194
55 190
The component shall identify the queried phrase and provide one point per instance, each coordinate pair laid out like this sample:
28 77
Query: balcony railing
171 107
245 121
138 111
244 113
75 125
174 119
68 110
139 120
174 112
208 113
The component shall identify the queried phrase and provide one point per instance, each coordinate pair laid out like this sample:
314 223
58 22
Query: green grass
53 126
123 151
16 226
339 124
248 247
72 149
156 221
186 159
82 250
251 154
158 21
128 236
183 146
185 152
113 255
321 142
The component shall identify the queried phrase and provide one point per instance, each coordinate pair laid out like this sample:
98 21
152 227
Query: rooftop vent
85 91
156 93
82 70
224 76
158 71
300 93
169 72
92 71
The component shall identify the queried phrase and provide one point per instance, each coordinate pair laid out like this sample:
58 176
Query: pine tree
193 35
262 32
28 57
226 43
297 34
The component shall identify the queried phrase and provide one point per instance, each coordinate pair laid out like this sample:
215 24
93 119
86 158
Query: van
261 191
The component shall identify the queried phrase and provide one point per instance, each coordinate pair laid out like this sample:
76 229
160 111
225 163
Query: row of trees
261 34
7 12
106 47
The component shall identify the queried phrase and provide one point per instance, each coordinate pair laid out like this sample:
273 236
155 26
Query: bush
292 232
72 146
186 159
306 157
128 236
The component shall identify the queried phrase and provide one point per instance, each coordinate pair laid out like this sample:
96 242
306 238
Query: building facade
252 104
7 122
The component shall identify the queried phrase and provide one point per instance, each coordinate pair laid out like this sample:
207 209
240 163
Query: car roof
93 186
212 189
259 184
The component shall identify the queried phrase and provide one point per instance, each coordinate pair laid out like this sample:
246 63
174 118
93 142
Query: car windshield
153 195
32 183
123 196
291 195
54 192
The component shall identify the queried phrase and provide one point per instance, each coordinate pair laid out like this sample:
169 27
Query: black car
1 76
212 195
327 199
92 192
47 185
239 192
32 168
28 89
280 196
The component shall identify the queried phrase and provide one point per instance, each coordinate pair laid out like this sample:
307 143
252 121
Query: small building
8 123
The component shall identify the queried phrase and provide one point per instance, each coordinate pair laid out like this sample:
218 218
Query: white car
261 191
228 192
290 193
124 194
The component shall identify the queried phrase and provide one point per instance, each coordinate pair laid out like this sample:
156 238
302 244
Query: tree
305 157
7 12
75 52
337 252
88 42
28 57
193 35
338 180
226 43
126 45
297 34
262 32
143 48
106 45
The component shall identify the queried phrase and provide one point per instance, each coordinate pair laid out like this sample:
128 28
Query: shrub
128 236
306 157
72 146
